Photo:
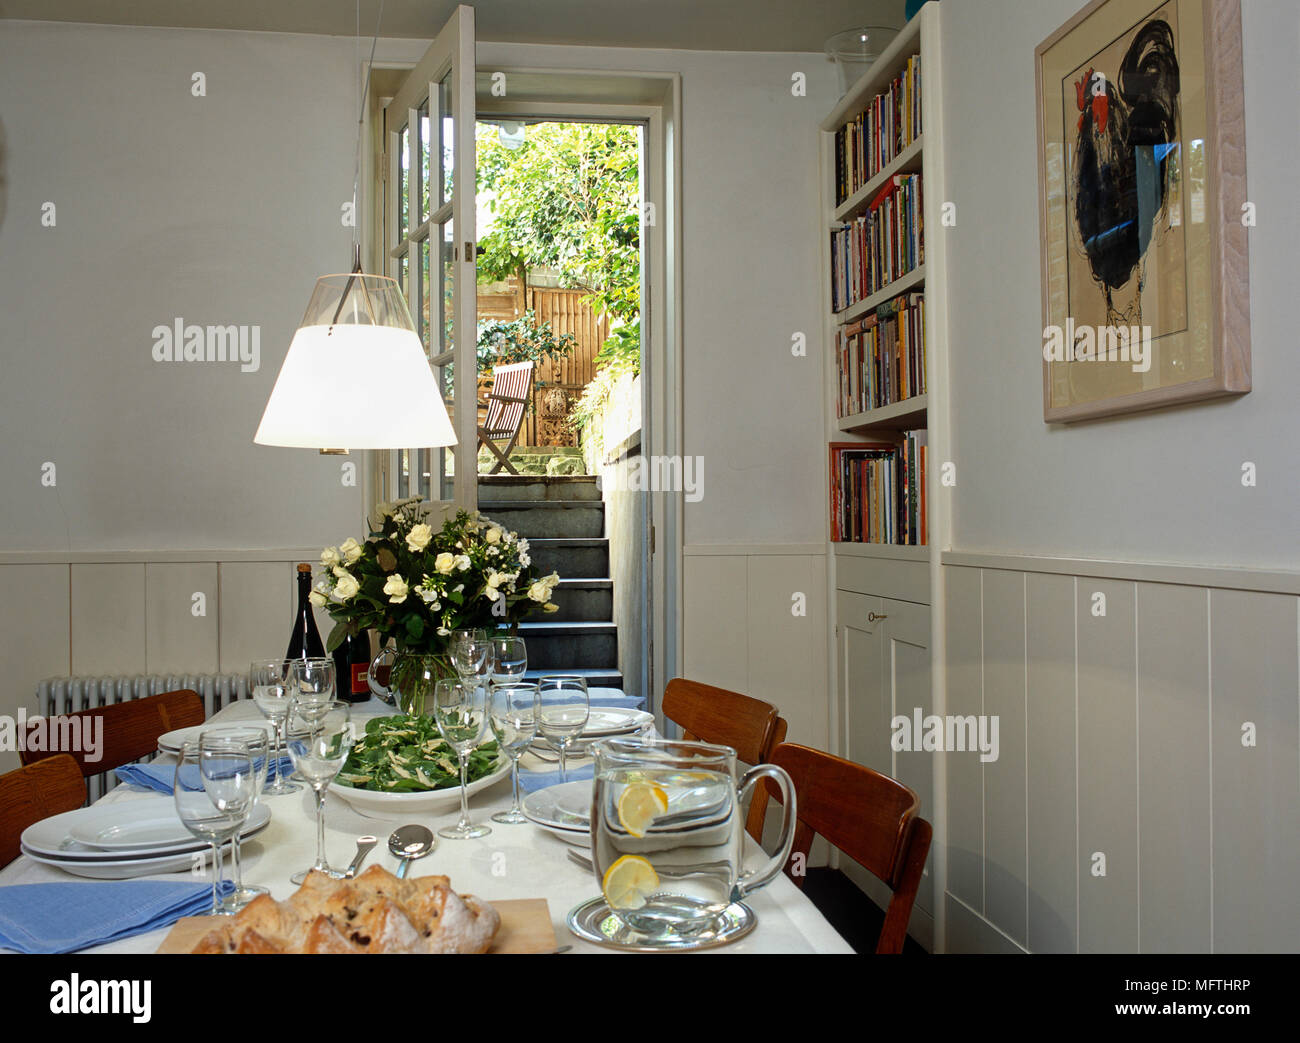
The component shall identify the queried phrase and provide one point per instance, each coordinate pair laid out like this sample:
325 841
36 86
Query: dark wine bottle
351 661
305 642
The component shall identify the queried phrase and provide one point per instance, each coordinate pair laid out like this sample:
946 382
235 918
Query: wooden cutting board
525 928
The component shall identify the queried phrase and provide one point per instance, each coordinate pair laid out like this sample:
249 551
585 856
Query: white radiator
59 695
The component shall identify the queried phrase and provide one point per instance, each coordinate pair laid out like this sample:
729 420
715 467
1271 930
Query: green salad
407 755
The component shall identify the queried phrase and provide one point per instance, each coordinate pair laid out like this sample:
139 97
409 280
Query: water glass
509 659
563 714
512 712
218 811
471 653
460 711
268 682
258 743
320 739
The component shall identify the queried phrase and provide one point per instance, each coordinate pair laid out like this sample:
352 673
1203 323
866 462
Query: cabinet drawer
884 577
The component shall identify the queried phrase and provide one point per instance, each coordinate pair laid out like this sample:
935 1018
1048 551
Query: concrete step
582 600
570 557
498 488
557 646
548 519
596 678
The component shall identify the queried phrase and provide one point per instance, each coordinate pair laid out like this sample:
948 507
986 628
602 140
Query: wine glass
509 659
512 711
460 711
258 744
268 680
312 685
564 712
216 811
320 739
470 653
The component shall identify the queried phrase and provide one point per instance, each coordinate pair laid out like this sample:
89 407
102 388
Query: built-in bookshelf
885 271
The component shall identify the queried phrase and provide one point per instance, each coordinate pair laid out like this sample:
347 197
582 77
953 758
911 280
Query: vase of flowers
416 585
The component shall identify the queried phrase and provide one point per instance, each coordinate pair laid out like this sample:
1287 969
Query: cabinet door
905 649
863 684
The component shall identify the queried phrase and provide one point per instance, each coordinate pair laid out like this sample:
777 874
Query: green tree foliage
568 200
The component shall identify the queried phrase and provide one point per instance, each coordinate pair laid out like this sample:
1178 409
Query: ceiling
711 25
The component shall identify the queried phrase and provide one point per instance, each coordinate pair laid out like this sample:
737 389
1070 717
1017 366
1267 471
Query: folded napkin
160 777
531 781
55 918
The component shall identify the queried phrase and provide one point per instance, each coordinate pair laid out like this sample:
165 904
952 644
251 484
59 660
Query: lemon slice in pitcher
639 805
628 882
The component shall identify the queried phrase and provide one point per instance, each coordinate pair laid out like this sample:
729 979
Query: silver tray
593 922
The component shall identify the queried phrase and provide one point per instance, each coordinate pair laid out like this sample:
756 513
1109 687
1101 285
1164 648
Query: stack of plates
119 840
565 810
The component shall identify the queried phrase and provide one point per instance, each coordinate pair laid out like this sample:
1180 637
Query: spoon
409 843
364 844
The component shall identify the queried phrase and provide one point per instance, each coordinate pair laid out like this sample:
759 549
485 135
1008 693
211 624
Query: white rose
317 598
462 562
418 538
444 563
396 589
346 588
350 549
429 597
340 571
493 535
539 591
494 579
329 557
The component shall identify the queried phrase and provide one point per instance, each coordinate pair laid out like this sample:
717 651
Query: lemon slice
639 805
628 881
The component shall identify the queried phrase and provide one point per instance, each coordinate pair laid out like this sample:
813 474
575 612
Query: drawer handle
872 617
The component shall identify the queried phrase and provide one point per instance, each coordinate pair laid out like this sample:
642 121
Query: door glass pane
426 326
448 286
404 186
448 142
425 147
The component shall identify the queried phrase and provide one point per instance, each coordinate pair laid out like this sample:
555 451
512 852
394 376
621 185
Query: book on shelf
873 139
879 246
878 491
881 358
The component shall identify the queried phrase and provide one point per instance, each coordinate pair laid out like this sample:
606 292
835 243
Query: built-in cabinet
886 599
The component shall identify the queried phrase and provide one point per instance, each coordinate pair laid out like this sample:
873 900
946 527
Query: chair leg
502 460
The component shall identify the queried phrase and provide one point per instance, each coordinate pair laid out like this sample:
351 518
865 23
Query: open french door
429 239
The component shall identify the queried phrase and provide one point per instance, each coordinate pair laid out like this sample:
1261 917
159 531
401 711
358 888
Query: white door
429 239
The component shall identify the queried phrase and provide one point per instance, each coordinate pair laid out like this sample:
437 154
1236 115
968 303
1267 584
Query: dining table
520 861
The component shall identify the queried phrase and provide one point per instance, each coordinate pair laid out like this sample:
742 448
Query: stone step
556 646
570 557
581 600
499 488
548 519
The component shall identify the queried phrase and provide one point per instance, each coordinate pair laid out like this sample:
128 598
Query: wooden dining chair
749 726
507 402
130 729
870 817
49 787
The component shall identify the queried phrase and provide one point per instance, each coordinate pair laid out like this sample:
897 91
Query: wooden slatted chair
37 791
507 402
870 817
130 729
717 715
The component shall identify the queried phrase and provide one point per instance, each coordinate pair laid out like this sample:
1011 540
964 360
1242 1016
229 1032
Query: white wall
1162 486
220 209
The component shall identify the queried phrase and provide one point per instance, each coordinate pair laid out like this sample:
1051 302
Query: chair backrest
508 399
37 791
727 718
128 730
870 817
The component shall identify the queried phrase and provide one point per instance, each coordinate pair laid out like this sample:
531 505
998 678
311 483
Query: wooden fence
556 386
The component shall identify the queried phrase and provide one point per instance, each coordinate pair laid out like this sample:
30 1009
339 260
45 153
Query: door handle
872 617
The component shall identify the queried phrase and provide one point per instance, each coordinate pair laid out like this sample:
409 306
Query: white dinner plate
171 742
604 722
563 808
375 804
52 839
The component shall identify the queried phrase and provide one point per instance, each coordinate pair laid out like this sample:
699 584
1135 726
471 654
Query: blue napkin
531 781
159 777
55 918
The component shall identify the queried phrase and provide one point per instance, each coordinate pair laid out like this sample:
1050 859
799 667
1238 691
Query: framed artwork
1143 213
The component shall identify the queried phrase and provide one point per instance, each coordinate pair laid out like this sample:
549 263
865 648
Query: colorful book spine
879 246
872 140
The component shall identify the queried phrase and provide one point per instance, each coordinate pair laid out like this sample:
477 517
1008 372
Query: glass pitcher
667 832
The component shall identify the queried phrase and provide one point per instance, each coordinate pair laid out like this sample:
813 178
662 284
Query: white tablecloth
511 862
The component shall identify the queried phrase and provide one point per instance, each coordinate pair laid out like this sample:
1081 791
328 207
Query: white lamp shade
355 386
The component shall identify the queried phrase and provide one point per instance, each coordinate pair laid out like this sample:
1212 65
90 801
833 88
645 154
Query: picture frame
1143 211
